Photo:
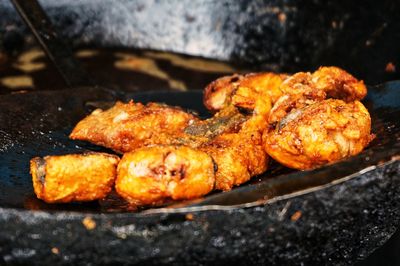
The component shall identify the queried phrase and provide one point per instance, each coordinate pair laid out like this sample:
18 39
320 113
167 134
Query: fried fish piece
238 152
334 81
150 175
227 120
239 156
126 127
218 93
339 84
320 133
73 177
305 88
242 90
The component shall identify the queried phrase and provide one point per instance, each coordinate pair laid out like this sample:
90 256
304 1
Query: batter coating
152 174
304 88
239 156
324 132
242 90
73 177
126 127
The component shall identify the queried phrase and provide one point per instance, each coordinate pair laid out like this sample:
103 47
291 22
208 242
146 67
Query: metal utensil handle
59 53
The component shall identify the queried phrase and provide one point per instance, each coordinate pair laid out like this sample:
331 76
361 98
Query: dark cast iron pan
336 214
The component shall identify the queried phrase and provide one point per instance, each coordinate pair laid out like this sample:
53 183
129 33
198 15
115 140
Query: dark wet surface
117 69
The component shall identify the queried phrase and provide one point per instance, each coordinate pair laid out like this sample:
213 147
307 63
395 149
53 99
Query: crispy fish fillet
304 88
339 84
73 177
242 90
319 133
333 81
239 156
306 130
150 175
126 127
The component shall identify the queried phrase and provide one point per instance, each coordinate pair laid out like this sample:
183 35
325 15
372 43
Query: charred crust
158 171
234 78
272 126
244 111
182 171
234 90
212 88
165 156
215 165
40 164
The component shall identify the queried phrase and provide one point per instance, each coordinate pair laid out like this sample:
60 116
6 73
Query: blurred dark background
363 37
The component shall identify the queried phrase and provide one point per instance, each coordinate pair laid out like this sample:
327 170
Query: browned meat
320 133
303 89
242 90
73 177
126 127
150 175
